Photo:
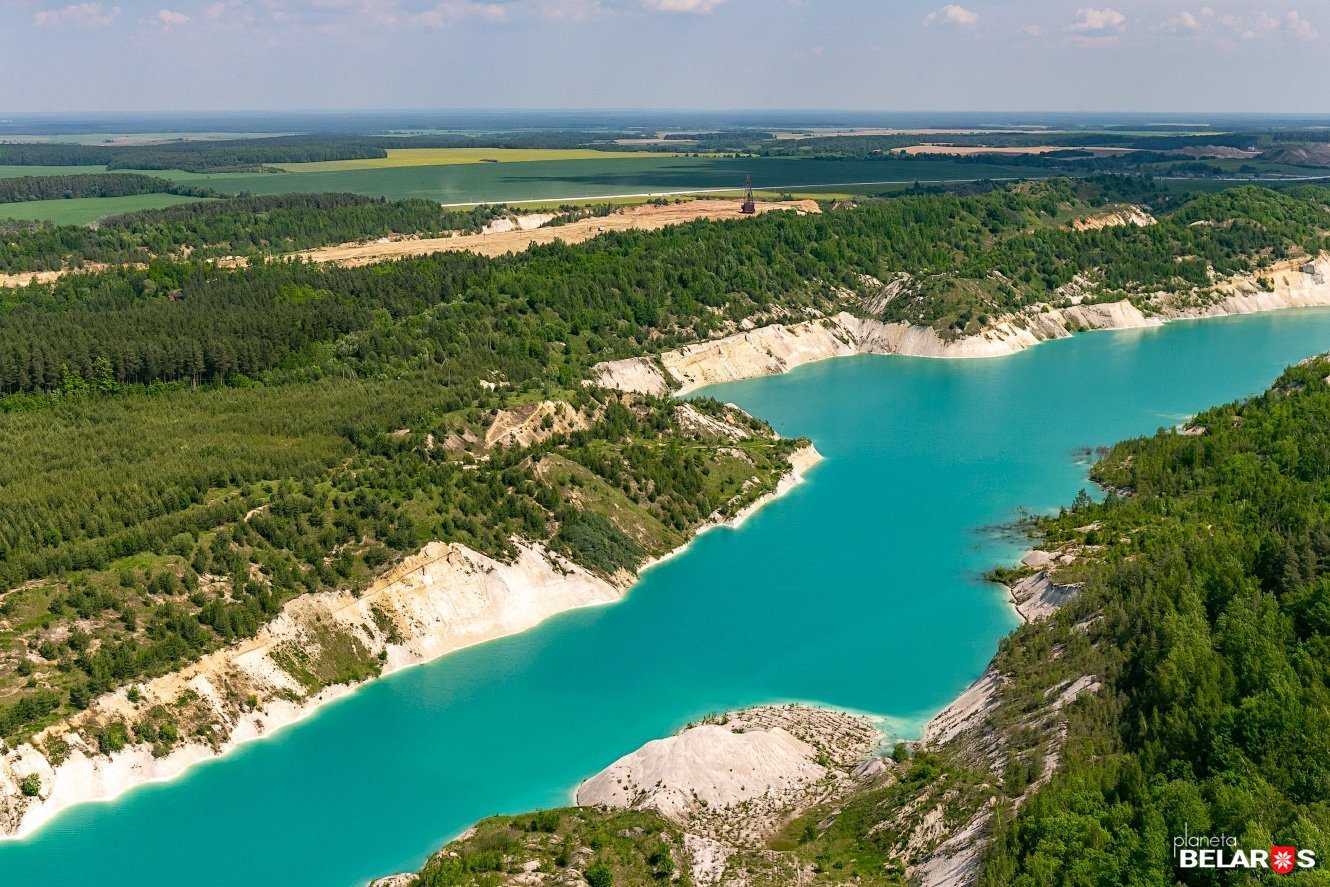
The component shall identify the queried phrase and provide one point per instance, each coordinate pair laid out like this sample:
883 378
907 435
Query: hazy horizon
1143 56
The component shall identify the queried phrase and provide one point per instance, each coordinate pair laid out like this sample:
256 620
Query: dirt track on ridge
637 218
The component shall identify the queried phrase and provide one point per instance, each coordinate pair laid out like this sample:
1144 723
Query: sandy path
29 276
637 218
26 277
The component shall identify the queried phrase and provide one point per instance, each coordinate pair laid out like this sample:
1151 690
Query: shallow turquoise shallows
859 589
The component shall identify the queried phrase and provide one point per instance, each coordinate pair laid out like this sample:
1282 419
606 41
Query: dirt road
639 218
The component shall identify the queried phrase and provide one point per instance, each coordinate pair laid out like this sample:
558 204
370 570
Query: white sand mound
707 766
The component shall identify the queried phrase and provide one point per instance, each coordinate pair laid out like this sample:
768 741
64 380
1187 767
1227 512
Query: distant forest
249 155
256 154
23 188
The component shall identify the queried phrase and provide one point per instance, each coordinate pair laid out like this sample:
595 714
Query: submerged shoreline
444 599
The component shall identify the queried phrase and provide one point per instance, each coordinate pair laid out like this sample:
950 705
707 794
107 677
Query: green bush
31 786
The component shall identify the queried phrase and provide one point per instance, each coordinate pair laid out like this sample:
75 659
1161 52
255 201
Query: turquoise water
859 589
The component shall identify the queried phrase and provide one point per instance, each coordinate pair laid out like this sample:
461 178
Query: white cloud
1299 28
1186 21
1098 20
951 14
698 7
170 17
453 11
1034 30
1265 26
77 15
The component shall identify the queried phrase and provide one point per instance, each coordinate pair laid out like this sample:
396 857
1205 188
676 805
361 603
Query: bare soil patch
636 218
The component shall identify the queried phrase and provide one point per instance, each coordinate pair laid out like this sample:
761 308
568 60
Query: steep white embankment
524 222
761 352
955 861
780 347
442 599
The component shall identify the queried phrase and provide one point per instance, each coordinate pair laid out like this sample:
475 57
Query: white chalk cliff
777 348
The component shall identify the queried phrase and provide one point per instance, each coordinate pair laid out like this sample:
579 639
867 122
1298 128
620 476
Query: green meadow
555 180
82 210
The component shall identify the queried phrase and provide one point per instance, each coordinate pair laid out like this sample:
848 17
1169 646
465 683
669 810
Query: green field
569 179
82 210
453 156
452 176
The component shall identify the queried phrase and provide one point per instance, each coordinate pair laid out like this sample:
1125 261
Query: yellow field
452 156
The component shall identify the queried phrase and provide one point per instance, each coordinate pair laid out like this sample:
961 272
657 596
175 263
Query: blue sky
1123 55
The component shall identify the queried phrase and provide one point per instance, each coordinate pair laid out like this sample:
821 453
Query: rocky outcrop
699 424
1117 218
523 222
1297 283
637 374
531 423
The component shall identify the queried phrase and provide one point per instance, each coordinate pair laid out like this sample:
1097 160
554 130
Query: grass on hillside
607 848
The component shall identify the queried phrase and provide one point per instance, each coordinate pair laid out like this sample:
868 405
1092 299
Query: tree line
236 226
23 188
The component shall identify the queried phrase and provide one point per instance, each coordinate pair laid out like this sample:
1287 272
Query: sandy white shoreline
802 461
442 600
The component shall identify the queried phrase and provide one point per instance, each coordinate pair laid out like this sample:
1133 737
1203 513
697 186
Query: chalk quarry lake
860 589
